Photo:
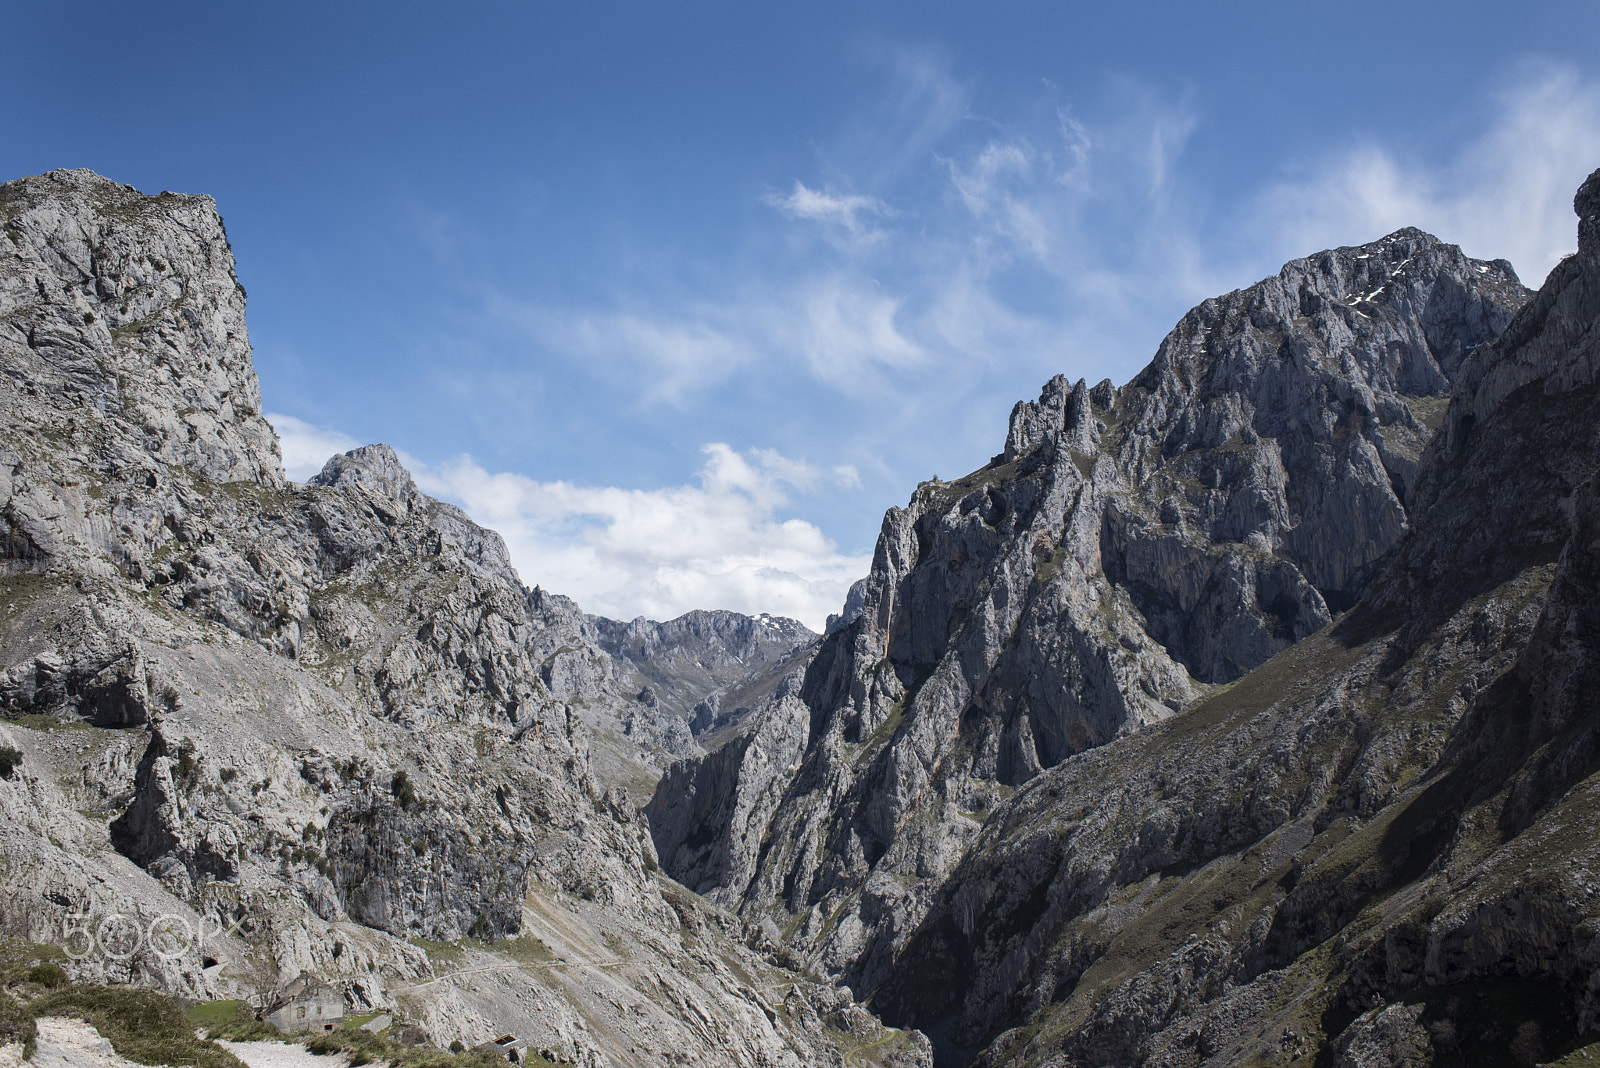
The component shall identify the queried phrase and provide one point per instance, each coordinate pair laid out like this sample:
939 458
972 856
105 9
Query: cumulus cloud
306 447
722 541
1506 193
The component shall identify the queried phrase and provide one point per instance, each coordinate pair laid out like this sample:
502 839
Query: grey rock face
1369 846
310 722
737 786
1127 549
855 602
686 660
695 680
83 288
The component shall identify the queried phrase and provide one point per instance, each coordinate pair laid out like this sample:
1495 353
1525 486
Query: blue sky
680 298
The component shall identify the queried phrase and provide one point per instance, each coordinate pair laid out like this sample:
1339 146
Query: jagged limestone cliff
324 724
1378 847
1129 550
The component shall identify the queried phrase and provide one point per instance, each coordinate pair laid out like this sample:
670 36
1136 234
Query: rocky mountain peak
1396 313
1127 550
375 467
128 326
1063 414
700 653
326 724
1587 205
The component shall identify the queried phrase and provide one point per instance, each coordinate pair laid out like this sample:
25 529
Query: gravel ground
282 1055
68 1043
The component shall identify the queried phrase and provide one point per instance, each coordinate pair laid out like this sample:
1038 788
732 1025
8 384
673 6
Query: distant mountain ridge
685 660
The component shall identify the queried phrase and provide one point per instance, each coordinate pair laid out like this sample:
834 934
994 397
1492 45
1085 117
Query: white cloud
979 184
843 210
305 447
839 327
681 355
846 330
1506 193
721 542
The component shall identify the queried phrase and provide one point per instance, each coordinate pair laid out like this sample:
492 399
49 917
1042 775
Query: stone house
306 1004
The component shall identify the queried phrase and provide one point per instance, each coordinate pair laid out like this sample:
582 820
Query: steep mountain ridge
258 727
1126 551
701 665
693 680
1377 847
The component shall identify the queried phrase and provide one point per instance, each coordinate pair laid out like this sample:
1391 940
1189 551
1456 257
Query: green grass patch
233 1020
1429 411
1295 673
525 949
448 952
141 1025
1051 566
991 474
791 926
885 731
17 958
367 1047
208 1013
16 1025
40 722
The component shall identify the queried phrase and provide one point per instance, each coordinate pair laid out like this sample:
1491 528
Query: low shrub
404 792
367 1047
47 975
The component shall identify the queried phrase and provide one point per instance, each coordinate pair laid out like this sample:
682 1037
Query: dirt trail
282 1055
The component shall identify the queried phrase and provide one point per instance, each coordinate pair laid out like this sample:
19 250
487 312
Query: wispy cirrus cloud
848 212
681 355
838 327
935 265
1507 192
